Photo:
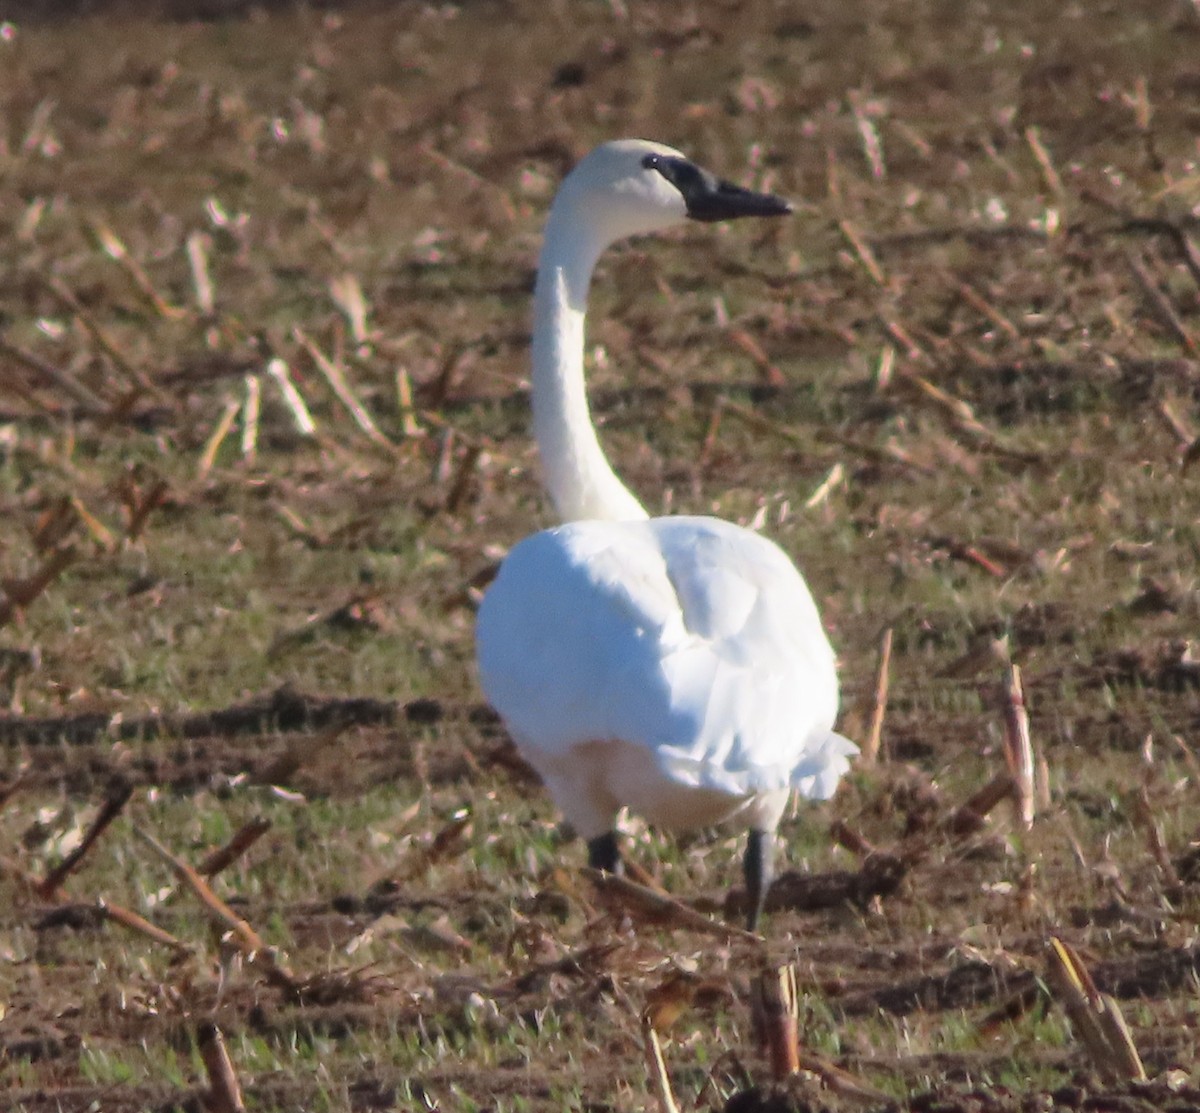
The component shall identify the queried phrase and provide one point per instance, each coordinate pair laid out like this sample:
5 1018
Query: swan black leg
758 869
604 853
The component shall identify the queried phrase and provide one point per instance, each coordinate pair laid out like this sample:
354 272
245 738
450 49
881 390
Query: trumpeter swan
673 666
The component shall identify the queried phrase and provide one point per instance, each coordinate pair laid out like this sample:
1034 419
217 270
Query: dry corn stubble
982 316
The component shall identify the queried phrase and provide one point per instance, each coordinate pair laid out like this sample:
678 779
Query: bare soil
962 387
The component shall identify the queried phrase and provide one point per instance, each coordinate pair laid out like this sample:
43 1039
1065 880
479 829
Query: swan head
630 187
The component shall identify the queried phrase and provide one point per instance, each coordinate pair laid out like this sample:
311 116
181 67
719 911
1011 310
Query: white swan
673 666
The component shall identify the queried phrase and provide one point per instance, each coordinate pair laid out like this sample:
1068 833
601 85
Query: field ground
961 386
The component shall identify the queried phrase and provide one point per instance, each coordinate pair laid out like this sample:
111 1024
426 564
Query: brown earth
974 353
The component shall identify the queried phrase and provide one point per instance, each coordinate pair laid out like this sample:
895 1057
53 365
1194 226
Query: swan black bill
709 198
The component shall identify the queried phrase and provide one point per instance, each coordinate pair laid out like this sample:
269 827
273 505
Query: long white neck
579 477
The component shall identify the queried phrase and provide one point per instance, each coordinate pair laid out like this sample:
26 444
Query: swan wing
690 637
756 680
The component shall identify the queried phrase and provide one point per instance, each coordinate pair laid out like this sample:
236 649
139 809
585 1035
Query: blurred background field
264 284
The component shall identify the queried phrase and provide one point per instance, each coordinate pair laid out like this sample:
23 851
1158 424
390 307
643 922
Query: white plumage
674 666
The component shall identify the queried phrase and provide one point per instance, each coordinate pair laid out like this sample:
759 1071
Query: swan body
674 666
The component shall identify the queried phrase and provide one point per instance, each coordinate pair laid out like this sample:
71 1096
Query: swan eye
685 176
